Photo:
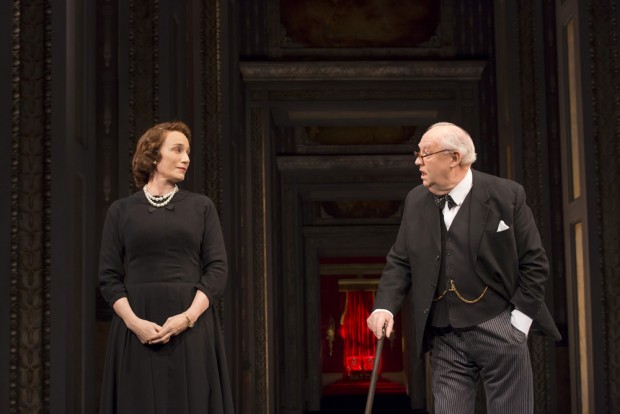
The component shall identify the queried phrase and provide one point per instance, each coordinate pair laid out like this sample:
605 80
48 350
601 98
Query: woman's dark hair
147 149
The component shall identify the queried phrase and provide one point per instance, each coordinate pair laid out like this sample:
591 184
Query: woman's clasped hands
150 333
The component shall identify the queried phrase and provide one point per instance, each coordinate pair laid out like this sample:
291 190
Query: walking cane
375 372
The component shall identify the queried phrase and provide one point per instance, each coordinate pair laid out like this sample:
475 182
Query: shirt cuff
521 321
383 310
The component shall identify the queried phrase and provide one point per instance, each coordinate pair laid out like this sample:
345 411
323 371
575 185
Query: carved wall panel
107 121
554 224
143 65
605 89
29 335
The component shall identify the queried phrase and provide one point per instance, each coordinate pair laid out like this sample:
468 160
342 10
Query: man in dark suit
469 250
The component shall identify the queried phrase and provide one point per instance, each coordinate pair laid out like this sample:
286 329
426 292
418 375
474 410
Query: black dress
157 258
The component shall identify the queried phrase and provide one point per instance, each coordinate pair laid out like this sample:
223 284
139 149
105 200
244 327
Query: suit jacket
511 262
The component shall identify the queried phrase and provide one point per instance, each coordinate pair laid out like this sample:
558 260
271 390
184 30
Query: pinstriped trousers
495 351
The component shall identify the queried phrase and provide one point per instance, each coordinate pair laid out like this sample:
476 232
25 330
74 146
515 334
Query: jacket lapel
478 213
432 213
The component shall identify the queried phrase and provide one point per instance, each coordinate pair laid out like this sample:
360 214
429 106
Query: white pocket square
502 226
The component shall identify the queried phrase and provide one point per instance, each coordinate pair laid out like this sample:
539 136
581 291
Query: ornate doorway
328 152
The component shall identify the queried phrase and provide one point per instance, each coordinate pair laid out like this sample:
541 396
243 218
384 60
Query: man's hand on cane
376 321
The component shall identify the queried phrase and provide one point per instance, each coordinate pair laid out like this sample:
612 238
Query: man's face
434 169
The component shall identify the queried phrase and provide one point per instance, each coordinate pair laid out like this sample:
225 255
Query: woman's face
174 161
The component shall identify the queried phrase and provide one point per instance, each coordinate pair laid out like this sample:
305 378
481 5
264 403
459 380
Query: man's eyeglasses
419 155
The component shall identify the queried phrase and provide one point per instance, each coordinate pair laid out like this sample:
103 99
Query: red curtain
359 343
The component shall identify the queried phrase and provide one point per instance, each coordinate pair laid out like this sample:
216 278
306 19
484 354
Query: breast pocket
503 241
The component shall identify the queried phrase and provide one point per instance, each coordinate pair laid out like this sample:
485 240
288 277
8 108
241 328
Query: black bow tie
441 201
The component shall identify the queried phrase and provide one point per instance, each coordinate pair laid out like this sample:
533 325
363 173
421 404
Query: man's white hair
457 139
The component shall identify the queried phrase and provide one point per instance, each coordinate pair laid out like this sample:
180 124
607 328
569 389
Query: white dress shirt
458 194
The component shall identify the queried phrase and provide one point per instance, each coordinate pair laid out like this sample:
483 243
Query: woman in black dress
162 266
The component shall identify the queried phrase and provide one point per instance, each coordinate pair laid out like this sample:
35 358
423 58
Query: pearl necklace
160 201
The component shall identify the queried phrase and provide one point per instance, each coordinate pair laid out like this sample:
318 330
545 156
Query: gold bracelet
190 324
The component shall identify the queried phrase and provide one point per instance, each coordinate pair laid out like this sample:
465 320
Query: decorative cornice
360 71
331 163
429 93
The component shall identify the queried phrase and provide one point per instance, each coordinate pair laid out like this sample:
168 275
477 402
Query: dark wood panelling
553 231
253 29
259 393
143 75
605 88
211 109
533 164
107 119
7 63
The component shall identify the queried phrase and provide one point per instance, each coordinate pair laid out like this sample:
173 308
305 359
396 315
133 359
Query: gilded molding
361 71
